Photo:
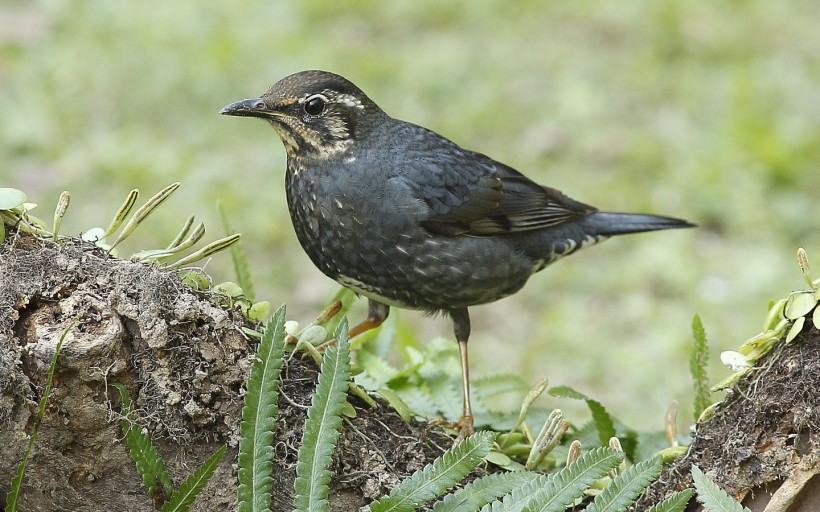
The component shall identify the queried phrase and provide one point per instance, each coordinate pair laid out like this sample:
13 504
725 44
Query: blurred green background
704 110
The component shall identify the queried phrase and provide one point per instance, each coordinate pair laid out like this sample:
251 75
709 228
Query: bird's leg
461 323
376 315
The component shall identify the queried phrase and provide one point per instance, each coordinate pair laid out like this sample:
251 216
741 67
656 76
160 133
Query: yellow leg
465 422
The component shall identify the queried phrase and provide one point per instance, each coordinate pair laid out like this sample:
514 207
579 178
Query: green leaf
492 385
59 213
698 361
259 419
396 403
560 490
148 461
144 211
193 485
210 249
521 496
713 498
17 481
435 478
603 422
322 427
121 214
240 262
259 310
484 490
675 503
622 492
799 305
11 198
183 232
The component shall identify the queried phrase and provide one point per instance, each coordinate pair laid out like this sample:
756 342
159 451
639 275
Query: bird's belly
381 251
416 270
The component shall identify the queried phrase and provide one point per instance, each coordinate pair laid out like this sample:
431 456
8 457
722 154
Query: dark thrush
408 218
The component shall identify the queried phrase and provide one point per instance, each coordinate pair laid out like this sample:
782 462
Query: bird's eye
315 105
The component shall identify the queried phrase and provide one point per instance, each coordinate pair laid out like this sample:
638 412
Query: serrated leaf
322 427
438 476
560 490
713 497
259 419
621 492
193 485
517 500
145 456
484 490
604 424
377 369
493 385
675 503
698 363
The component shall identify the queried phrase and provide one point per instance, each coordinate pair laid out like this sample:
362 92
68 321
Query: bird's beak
254 107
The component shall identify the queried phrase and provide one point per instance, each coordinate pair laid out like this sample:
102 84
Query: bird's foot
464 426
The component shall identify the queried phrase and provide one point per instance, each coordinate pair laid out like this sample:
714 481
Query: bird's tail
610 224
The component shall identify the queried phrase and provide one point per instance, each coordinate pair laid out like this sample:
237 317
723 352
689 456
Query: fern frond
322 427
499 384
600 417
675 503
561 489
191 487
698 361
484 490
148 461
713 498
259 419
435 478
621 492
519 498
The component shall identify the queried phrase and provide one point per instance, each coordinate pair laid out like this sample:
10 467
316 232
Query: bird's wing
489 198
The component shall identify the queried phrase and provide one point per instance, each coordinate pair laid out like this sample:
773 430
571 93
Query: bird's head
316 113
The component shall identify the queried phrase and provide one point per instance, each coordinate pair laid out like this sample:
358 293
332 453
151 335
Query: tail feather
610 224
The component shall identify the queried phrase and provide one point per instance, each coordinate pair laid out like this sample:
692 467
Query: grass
709 112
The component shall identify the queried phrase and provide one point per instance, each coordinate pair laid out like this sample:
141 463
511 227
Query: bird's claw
464 426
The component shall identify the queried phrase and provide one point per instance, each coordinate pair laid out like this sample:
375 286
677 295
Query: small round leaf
799 305
797 326
11 198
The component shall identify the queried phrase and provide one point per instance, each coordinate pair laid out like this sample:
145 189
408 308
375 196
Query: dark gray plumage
408 218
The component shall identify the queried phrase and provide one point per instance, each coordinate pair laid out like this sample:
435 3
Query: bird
408 218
